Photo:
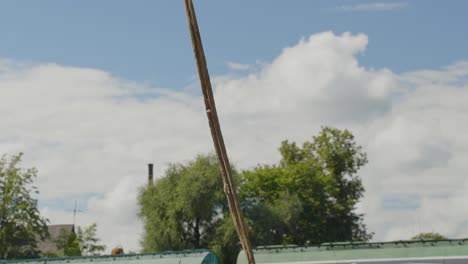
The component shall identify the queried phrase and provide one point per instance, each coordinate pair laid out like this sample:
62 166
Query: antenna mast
74 214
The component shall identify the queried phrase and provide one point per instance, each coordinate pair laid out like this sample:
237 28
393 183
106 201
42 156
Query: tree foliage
82 243
225 242
429 236
311 195
20 221
184 208
88 240
68 242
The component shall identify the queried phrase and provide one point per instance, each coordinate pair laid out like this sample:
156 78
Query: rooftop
199 256
443 251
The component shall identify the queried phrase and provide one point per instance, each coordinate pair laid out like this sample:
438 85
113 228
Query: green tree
310 197
20 221
69 243
184 208
429 236
88 241
82 243
225 242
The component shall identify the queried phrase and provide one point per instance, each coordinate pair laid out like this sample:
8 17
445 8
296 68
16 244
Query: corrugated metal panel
173 257
450 251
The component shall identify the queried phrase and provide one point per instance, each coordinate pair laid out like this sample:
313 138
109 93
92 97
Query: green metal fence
201 256
446 251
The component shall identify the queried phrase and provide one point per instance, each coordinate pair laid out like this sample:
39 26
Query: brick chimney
150 173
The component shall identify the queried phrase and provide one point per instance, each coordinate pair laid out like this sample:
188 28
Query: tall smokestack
150 173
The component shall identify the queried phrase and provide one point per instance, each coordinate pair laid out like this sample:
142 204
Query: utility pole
74 214
215 128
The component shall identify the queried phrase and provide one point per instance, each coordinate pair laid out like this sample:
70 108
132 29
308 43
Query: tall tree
88 240
20 221
310 197
184 208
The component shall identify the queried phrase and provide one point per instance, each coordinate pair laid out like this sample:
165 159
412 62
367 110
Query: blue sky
148 40
73 73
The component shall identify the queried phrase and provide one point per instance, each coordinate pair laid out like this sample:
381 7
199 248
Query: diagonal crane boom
228 181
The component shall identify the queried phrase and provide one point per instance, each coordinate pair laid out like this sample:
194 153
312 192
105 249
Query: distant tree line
308 198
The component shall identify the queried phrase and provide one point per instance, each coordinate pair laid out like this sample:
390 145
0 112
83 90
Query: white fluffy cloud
90 132
418 156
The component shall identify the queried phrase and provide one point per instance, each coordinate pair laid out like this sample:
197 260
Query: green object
201 256
311 195
88 240
69 243
185 208
423 251
20 221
